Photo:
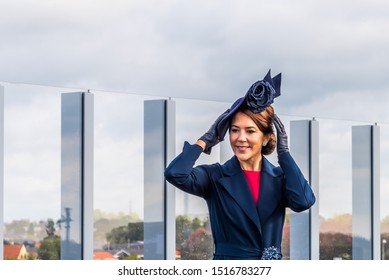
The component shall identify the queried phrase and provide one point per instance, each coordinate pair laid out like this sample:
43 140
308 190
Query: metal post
88 162
170 201
304 226
77 176
365 197
1 171
159 196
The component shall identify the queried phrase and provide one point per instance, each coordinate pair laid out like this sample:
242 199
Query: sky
332 55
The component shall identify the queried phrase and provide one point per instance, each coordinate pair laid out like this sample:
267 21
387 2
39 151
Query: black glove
211 138
282 138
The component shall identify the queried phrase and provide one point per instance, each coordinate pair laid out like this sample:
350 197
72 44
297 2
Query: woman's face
246 140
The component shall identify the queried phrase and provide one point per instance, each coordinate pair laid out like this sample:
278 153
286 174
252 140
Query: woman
247 195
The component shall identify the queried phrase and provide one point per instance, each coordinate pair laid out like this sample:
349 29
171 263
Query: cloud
360 105
211 50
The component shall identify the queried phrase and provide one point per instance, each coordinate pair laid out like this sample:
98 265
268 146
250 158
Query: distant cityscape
120 237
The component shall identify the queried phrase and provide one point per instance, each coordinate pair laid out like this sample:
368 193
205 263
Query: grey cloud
210 50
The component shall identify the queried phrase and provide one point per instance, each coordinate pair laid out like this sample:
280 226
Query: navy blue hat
260 95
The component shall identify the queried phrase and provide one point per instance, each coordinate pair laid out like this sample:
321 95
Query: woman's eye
250 131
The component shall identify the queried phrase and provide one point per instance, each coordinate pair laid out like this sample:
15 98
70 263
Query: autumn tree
199 245
183 229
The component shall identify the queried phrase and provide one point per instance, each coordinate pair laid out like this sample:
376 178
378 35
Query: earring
264 144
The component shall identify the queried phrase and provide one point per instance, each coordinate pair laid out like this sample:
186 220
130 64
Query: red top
253 179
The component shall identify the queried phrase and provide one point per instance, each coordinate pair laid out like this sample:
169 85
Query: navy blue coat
241 229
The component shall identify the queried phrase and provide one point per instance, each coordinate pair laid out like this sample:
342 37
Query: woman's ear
265 140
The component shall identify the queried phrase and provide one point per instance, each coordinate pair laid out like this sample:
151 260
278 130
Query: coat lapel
236 185
271 190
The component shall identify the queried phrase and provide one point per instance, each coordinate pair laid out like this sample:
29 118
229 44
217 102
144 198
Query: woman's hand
210 138
282 138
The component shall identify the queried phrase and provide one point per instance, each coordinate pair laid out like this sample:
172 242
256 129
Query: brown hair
264 121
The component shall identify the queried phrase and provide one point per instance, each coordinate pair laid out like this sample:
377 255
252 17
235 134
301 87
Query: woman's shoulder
271 169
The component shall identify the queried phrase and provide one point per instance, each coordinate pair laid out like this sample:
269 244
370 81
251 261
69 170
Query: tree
335 245
105 222
199 246
50 248
193 238
136 231
196 223
118 235
123 234
183 229
50 228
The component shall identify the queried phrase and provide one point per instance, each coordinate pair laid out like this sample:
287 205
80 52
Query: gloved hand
282 138
211 138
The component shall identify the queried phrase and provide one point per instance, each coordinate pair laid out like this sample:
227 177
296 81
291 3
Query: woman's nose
242 136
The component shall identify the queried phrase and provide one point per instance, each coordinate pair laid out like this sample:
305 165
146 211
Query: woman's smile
242 149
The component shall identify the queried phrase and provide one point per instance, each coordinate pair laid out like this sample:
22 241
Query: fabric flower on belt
271 253
259 96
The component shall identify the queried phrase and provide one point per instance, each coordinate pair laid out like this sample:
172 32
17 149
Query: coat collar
232 166
235 183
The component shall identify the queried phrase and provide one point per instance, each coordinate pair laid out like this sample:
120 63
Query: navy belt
237 251
247 252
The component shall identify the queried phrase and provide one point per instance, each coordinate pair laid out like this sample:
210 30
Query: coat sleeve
299 194
181 173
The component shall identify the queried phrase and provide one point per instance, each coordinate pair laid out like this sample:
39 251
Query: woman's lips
242 149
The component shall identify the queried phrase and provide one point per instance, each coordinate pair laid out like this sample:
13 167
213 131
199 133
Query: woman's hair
264 121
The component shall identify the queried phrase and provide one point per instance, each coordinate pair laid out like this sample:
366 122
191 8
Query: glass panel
71 177
32 142
118 176
362 198
154 152
335 184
